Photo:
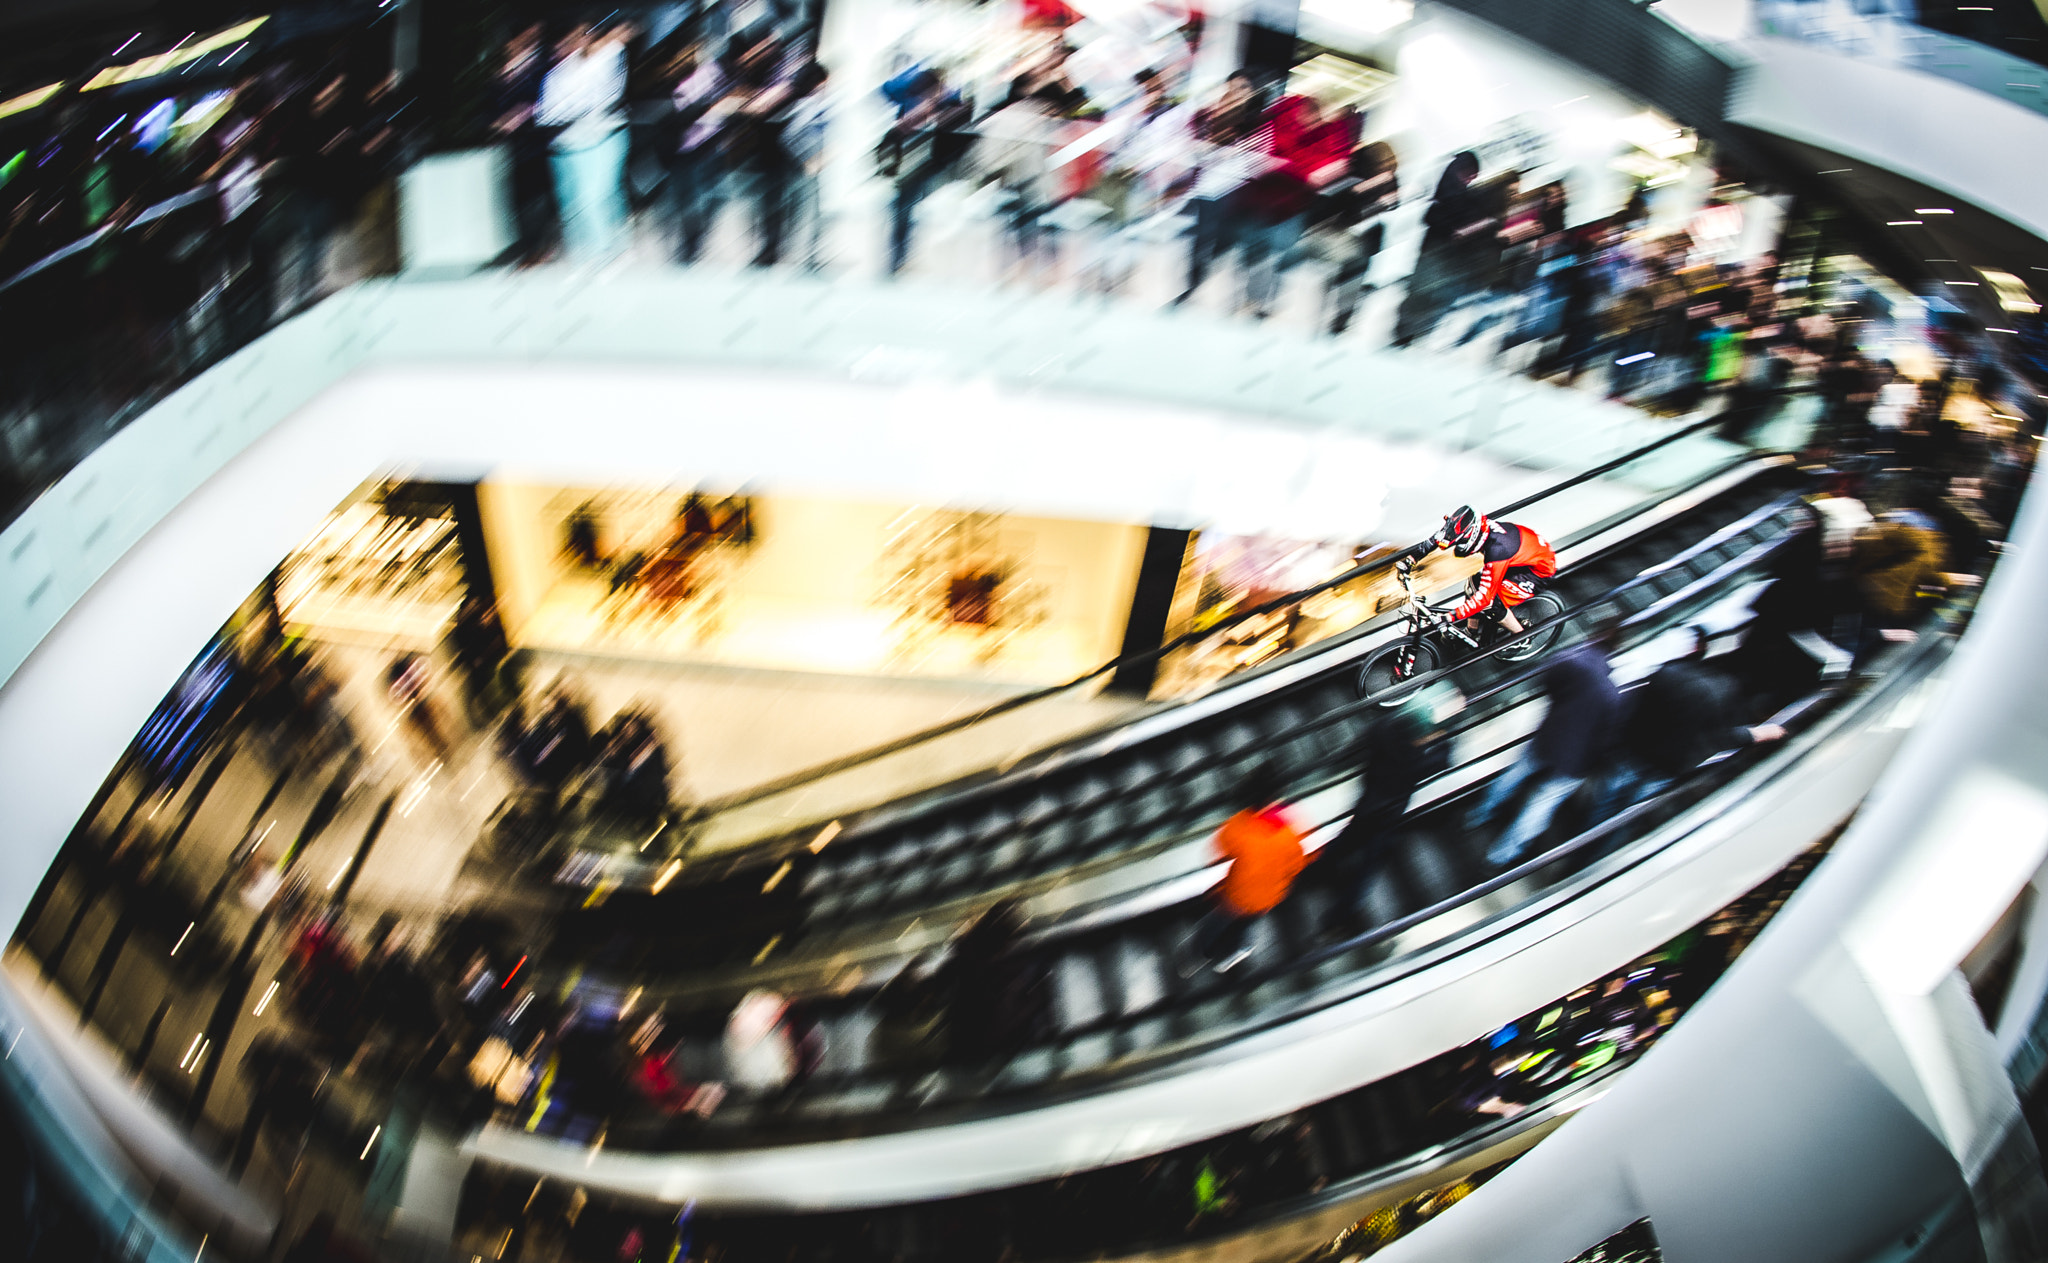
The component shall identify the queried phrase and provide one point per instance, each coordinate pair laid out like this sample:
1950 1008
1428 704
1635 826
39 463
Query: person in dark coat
1804 620
1459 225
1683 715
1567 748
1398 753
996 996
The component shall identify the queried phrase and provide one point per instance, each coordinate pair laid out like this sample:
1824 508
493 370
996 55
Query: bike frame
1425 621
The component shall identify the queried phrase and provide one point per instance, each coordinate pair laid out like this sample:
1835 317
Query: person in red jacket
1515 560
1302 149
1263 848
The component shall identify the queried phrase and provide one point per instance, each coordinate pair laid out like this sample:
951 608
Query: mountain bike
1434 639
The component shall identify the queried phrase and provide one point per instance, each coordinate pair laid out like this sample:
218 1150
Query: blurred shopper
757 167
1263 850
803 143
634 765
409 679
760 1053
1227 154
1458 239
515 91
384 149
1146 168
1575 735
1898 563
999 997
1346 231
1757 395
1017 144
321 159
1305 148
1808 619
923 147
1682 715
1404 748
583 99
553 748
1898 400
1044 78
477 640
696 173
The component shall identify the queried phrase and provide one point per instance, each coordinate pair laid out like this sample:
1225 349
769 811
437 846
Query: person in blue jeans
1568 747
927 142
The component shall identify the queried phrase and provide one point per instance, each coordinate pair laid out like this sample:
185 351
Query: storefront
388 570
808 583
729 577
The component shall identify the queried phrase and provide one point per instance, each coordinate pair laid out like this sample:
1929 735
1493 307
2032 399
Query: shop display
384 568
949 574
1230 573
848 587
662 561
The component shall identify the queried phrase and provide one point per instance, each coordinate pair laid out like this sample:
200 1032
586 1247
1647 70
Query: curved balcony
1362 1036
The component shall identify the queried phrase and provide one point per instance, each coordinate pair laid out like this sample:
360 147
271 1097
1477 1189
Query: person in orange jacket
1263 848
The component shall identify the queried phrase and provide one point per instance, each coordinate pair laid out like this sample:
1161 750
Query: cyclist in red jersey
1516 559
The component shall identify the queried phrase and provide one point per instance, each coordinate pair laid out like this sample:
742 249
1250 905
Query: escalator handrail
770 788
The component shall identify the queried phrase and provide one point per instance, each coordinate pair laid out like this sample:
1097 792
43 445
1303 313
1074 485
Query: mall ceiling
44 40
1907 231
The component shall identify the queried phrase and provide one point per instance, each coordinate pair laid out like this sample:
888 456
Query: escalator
1145 786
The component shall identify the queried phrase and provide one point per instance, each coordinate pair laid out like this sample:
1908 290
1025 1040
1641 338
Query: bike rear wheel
1539 610
1386 671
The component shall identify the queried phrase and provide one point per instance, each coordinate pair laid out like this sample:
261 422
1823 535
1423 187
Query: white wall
1933 130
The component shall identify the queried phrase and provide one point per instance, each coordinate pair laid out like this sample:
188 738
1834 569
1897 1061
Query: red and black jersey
1512 555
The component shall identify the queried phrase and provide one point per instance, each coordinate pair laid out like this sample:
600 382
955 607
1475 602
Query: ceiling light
1657 135
2011 290
1932 210
182 53
28 100
1374 17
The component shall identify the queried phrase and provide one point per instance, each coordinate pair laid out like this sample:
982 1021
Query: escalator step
1382 1132
1335 1123
1077 991
1141 974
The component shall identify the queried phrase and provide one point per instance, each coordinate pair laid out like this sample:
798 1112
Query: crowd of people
146 252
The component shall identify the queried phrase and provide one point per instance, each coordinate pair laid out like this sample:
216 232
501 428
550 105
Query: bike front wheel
1541 610
1384 674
